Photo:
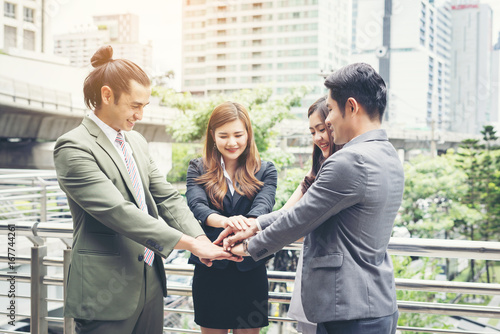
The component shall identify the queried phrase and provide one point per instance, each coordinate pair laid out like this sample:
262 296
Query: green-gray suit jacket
110 231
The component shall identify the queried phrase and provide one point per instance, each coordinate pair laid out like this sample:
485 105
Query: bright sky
160 22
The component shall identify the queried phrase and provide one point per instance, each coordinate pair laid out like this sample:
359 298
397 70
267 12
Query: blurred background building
418 54
121 31
437 56
472 98
230 45
24 25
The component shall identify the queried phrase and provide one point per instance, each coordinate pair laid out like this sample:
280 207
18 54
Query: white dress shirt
228 178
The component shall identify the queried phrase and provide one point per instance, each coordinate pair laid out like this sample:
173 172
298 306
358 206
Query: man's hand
229 237
205 250
238 250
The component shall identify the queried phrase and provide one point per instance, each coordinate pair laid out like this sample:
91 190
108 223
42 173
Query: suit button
160 248
140 257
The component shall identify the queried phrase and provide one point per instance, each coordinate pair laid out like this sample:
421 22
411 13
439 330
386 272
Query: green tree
489 137
181 155
424 268
469 162
265 111
432 197
489 195
288 184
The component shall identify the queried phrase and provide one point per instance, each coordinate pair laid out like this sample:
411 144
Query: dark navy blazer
233 205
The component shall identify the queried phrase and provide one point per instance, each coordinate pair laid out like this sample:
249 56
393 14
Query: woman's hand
239 223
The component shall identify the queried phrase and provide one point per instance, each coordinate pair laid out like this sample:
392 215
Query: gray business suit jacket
347 217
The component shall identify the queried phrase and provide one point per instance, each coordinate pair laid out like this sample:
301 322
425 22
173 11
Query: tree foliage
424 269
432 198
265 111
457 194
181 155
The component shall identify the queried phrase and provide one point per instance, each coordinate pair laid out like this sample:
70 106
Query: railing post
39 311
68 322
43 200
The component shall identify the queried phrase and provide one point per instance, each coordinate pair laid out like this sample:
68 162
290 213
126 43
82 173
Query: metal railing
37 96
43 215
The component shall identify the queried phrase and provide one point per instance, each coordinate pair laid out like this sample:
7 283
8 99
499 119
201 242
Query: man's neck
365 127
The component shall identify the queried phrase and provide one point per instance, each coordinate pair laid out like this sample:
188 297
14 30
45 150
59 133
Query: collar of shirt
228 178
108 131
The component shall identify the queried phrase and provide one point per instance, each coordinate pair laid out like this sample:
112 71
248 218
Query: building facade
471 66
419 57
495 84
120 31
79 47
24 26
231 45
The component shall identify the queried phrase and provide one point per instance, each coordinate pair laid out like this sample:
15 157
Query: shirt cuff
258 224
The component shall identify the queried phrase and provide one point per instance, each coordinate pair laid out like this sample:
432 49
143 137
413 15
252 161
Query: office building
471 66
495 84
24 26
120 31
419 57
231 45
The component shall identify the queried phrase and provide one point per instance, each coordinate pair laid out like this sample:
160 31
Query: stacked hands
228 245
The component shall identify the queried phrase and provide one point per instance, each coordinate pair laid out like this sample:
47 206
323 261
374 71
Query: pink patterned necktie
149 255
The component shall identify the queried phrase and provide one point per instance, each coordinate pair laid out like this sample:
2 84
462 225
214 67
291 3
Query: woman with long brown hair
226 187
323 147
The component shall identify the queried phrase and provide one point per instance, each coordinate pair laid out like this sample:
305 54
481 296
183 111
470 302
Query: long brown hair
246 184
317 156
115 73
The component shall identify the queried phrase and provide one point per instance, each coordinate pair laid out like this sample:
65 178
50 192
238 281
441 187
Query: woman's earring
215 147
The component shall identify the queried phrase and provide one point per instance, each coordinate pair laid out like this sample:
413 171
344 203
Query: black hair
320 107
361 82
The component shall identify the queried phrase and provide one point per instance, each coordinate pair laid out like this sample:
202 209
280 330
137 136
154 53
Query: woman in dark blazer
227 187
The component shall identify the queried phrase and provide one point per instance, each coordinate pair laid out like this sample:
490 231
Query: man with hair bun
117 196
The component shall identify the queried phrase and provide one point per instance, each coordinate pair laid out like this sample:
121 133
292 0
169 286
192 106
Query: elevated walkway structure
30 112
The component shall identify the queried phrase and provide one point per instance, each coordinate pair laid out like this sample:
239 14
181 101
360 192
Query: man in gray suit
346 216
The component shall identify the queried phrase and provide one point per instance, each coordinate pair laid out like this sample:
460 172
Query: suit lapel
108 147
227 202
236 198
258 175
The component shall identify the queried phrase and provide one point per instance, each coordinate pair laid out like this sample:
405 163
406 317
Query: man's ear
352 106
106 95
